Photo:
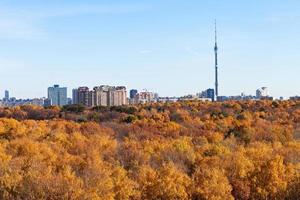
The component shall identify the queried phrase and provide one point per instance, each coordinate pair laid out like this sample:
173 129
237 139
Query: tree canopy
185 150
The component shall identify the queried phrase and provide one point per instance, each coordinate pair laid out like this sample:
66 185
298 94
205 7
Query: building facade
262 93
75 96
295 98
91 99
144 97
117 96
6 95
208 94
83 96
101 96
57 95
132 94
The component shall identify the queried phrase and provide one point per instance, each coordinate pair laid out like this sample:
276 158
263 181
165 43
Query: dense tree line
185 150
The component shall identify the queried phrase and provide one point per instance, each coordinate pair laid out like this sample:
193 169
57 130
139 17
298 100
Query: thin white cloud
10 65
192 51
145 51
91 9
282 18
19 29
16 23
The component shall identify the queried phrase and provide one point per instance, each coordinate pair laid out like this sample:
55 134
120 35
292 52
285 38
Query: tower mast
216 63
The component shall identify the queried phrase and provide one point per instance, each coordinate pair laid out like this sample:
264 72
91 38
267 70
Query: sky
164 46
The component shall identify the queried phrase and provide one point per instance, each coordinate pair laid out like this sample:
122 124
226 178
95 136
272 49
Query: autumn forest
177 151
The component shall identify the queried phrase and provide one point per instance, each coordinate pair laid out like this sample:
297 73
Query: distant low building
47 102
70 101
222 98
193 98
21 102
208 94
241 97
267 98
144 97
167 99
38 101
295 98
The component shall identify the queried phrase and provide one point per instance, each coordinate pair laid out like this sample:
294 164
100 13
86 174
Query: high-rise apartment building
101 96
75 96
91 101
6 95
83 96
117 96
57 95
262 93
132 94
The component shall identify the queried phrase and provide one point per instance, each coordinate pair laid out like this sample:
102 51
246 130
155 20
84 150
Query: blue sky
164 46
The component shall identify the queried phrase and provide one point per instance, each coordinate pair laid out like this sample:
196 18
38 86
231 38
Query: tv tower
216 63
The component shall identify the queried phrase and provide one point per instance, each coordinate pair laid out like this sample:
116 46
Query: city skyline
111 96
165 47
133 91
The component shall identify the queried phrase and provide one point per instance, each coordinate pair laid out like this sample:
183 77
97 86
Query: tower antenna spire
216 63
216 32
